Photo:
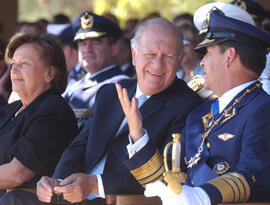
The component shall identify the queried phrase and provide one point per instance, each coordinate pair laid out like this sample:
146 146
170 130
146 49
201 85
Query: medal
208 126
194 160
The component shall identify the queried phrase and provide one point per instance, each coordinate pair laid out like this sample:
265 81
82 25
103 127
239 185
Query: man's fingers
43 194
125 98
119 92
69 180
46 184
63 189
134 104
70 192
66 184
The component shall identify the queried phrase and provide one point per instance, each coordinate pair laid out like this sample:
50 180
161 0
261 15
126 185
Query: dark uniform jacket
82 94
163 114
234 164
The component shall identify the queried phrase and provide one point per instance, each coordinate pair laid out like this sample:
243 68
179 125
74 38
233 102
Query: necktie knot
141 100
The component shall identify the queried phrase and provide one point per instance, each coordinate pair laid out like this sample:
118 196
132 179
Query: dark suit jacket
3 101
163 114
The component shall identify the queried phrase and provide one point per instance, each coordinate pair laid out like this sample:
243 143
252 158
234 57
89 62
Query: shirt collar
139 93
227 97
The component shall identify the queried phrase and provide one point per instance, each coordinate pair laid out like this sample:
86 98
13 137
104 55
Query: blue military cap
67 35
222 28
252 7
90 25
63 31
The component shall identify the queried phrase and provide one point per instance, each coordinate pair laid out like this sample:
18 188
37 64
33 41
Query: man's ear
115 48
133 52
180 58
229 56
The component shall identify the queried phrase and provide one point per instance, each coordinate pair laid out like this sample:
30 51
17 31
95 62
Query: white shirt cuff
101 192
138 145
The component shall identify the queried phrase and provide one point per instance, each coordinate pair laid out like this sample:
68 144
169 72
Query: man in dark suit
92 165
98 47
225 144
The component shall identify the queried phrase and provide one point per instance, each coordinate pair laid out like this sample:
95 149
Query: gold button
208 145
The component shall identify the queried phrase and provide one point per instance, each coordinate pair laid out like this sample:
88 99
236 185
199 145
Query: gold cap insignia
87 21
221 167
241 4
205 28
225 136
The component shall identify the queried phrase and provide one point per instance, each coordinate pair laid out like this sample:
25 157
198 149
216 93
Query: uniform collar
92 76
104 74
227 97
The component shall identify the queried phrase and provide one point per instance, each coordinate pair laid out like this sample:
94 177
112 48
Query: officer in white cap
200 22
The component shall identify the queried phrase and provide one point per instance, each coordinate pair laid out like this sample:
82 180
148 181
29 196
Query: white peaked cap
229 10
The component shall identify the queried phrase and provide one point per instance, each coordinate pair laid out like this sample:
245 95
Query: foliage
32 10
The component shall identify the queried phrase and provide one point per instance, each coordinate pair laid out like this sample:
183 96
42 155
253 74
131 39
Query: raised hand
133 115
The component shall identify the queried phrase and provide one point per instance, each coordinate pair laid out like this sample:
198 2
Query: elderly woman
35 130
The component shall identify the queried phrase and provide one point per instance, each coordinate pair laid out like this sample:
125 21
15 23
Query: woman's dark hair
51 54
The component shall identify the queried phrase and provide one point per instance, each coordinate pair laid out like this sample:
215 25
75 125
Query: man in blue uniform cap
97 51
226 144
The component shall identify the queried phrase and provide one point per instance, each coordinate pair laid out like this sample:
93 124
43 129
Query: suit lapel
151 106
105 128
147 109
131 93
118 109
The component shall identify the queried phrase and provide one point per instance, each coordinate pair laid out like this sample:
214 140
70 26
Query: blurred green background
32 10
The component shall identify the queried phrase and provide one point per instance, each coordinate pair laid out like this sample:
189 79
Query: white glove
188 196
